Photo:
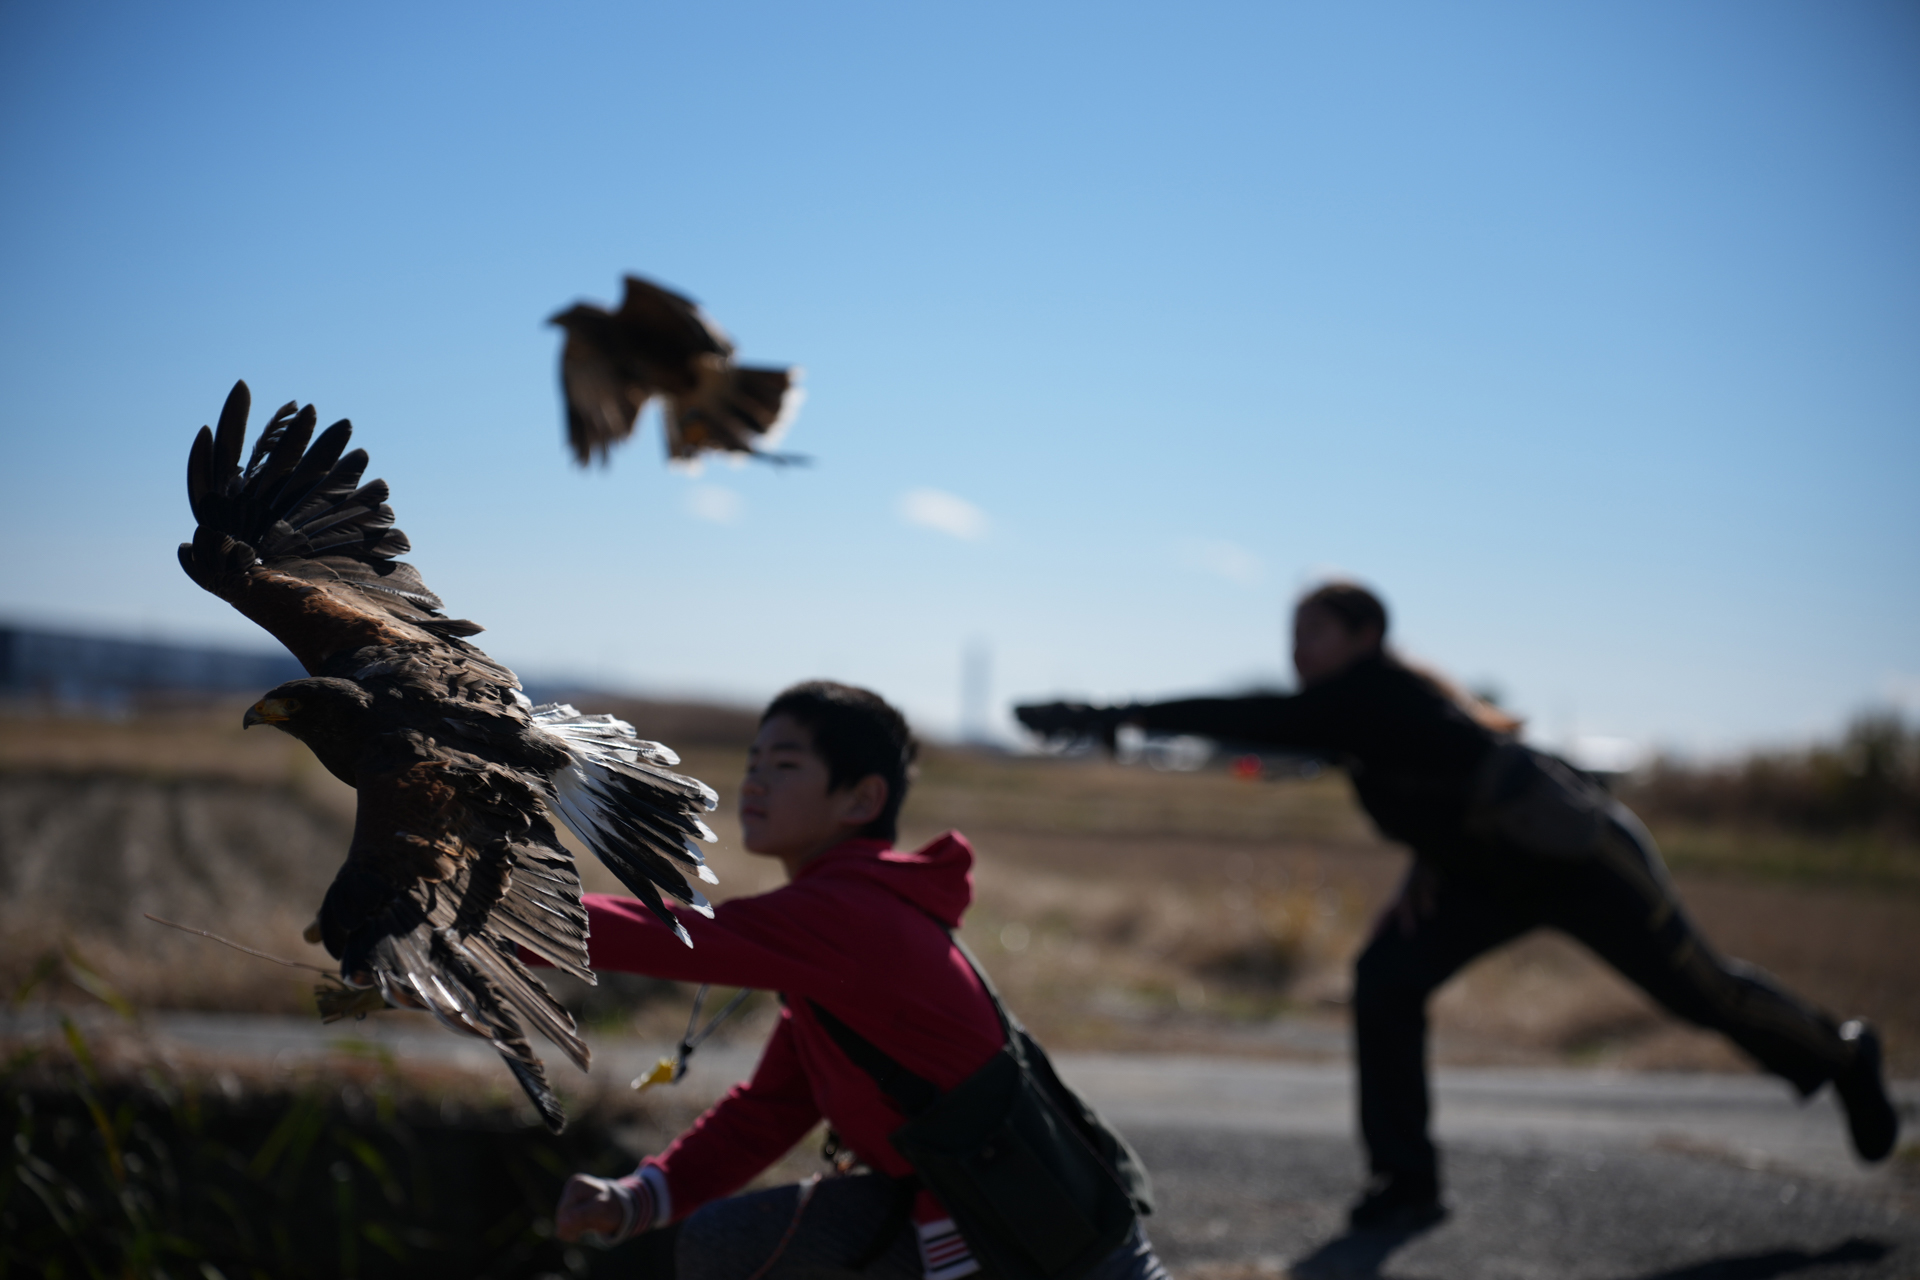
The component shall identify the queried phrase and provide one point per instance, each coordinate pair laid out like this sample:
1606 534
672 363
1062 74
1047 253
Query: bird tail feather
475 988
741 409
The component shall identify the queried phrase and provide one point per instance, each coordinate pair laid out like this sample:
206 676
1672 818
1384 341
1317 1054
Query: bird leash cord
669 1070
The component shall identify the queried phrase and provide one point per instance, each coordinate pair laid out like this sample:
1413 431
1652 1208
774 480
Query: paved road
1575 1174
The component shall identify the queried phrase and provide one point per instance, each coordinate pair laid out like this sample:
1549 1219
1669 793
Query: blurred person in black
1505 839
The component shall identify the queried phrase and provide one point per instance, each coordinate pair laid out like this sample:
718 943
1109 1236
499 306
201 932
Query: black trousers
1621 905
775 1234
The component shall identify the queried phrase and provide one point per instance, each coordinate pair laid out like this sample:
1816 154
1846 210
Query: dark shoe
1871 1119
1397 1202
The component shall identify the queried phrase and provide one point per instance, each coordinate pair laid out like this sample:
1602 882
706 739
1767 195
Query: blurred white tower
976 691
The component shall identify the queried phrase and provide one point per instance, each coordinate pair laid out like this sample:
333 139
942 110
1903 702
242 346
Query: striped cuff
655 1181
643 1200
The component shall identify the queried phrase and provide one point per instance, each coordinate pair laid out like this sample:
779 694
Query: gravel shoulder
1550 1173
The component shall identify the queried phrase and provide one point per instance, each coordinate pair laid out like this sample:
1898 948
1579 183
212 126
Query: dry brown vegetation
1867 783
1118 907
1848 810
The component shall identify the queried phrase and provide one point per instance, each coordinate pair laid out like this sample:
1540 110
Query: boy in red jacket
860 929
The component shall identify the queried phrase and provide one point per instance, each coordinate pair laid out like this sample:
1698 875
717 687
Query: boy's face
786 810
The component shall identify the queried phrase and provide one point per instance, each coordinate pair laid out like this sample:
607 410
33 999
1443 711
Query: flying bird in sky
661 344
454 862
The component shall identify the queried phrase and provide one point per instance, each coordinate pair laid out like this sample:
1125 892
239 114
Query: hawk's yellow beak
269 711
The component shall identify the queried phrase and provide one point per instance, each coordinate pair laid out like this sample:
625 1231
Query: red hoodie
862 930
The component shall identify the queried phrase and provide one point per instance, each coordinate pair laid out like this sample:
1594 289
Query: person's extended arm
739 1136
762 943
1267 719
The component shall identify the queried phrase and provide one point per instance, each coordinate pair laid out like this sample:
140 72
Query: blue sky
1589 333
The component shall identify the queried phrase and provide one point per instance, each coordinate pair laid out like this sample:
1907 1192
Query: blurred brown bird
659 343
454 864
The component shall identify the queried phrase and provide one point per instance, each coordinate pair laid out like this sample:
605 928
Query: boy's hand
601 1210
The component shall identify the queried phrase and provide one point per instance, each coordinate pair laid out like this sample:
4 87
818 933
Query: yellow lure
665 1071
669 1070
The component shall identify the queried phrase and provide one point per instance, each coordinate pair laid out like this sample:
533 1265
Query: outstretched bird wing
295 542
670 324
660 343
603 399
454 861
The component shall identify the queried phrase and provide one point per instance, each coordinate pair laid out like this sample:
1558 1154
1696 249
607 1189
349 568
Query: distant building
102 673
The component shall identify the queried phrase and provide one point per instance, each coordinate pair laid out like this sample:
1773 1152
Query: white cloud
933 509
711 502
1227 560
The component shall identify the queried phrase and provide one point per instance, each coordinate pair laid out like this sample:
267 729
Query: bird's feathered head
319 708
580 314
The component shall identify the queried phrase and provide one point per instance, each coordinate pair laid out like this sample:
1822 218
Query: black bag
1040 1187
1537 803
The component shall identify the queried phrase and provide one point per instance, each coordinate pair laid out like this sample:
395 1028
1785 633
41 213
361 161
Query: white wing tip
789 410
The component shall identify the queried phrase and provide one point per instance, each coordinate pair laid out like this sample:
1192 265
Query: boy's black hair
857 733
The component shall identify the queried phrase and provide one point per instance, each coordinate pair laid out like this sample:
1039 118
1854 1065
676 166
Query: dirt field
1118 907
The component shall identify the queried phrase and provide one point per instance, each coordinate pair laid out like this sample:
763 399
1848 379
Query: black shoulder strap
1007 1024
913 1094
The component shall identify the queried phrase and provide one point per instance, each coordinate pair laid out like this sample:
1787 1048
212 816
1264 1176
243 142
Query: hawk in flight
659 343
454 863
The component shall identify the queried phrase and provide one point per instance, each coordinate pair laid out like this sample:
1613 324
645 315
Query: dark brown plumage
661 344
454 863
